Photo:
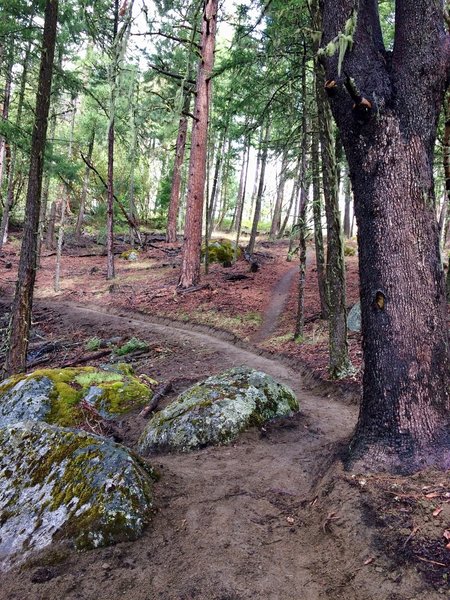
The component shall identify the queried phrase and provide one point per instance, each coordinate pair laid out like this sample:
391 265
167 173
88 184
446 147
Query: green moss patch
69 392
59 483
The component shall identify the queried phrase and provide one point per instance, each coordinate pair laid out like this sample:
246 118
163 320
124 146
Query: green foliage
132 345
93 343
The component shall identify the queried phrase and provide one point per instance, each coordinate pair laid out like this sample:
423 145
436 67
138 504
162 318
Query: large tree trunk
190 267
389 142
23 300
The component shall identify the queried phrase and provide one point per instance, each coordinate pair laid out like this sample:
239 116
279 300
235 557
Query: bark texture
387 108
190 267
23 299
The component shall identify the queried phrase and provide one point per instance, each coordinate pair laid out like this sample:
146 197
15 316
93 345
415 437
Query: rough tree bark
348 204
190 267
23 299
387 107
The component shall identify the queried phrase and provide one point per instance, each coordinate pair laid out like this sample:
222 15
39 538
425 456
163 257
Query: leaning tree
386 105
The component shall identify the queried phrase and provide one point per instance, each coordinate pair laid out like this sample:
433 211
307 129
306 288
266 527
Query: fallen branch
195 288
159 393
87 358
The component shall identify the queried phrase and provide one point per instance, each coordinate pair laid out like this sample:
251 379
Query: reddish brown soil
273 516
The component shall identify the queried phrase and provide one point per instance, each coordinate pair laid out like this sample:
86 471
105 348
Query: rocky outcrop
58 483
217 410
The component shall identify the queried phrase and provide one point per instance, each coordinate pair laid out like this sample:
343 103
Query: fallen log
160 392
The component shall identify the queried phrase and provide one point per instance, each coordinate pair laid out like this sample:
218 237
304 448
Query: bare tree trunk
174 206
293 201
23 300
318 232
64 207
12 167
257 171
259 195
5 114
84 191
190 267
340 365
50 237
241 205
348 203
224 188
276 220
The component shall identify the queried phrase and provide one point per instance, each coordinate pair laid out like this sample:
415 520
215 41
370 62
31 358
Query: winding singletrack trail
230 523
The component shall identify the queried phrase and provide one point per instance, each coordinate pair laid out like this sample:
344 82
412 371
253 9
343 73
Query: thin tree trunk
23 300
5 114
318 231
113 81
12 167
50 236
224 188
276 220
259 195
241 196
339 365
302 225
190 267
174 206
293 201
64 207
84 191
348 203
257 171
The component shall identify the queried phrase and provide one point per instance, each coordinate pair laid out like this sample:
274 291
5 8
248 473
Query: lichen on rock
54 395
216 410
58 483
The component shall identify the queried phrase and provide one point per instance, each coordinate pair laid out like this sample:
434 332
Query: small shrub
349 251
93 343
131 346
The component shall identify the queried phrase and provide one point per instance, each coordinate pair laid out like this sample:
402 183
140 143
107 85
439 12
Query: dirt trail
231 523
277 303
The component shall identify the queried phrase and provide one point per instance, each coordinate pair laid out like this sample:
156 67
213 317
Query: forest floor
273 516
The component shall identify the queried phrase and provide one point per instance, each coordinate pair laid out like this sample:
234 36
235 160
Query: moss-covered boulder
217 410
59 396
220 251
62 484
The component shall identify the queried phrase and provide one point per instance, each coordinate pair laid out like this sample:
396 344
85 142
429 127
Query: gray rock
61 484
217 410
55 395
29 399
354 318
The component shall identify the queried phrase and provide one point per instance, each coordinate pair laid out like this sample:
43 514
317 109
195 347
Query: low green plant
132 345
93 343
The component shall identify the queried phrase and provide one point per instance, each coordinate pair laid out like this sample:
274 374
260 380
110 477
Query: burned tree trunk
387 116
